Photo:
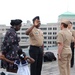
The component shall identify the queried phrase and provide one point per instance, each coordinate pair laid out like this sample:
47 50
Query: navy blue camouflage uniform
10 47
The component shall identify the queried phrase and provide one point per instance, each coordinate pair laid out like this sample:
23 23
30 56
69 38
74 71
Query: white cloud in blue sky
48 10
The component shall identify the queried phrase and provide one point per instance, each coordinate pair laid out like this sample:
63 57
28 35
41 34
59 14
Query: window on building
49 46
43 28
74 23
49 28
24 37
24 28
53 42
54 33
49 37
54 28
7 29
73 27
49 33
24 46
54 37
23 33
45 42
2 29
45 37
44 33
44 46
49 42
18 33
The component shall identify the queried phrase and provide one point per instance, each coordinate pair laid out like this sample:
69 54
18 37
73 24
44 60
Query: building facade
50 31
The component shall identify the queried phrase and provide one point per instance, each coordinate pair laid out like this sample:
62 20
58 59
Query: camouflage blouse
10 46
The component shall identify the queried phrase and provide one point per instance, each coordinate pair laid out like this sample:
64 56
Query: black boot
2 73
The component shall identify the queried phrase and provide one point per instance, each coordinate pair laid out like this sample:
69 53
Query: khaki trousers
64 64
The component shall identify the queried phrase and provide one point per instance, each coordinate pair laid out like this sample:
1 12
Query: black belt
36 46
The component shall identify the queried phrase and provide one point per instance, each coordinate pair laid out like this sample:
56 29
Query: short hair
37 17
70 22
65 25
15 22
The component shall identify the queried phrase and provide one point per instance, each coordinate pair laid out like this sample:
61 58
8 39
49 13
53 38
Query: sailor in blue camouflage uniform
10 45
22 62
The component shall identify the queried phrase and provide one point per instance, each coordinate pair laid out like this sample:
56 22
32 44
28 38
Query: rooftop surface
49 68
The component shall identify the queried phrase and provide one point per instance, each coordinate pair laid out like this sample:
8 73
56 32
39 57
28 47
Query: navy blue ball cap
37 17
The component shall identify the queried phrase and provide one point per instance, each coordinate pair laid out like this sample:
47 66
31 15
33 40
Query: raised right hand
36 23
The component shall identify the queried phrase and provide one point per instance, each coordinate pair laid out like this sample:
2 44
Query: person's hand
36 23
59 57
26 57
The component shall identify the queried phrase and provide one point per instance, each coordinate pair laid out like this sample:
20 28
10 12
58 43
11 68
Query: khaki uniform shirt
36 37
73 32
65 37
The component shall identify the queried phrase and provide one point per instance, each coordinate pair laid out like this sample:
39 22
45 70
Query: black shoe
2 73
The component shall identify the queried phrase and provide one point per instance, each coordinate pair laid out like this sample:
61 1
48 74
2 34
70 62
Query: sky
48 10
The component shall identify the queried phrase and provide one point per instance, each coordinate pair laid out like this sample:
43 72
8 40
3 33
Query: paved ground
51 68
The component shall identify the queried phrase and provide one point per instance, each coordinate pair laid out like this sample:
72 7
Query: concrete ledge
7 73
